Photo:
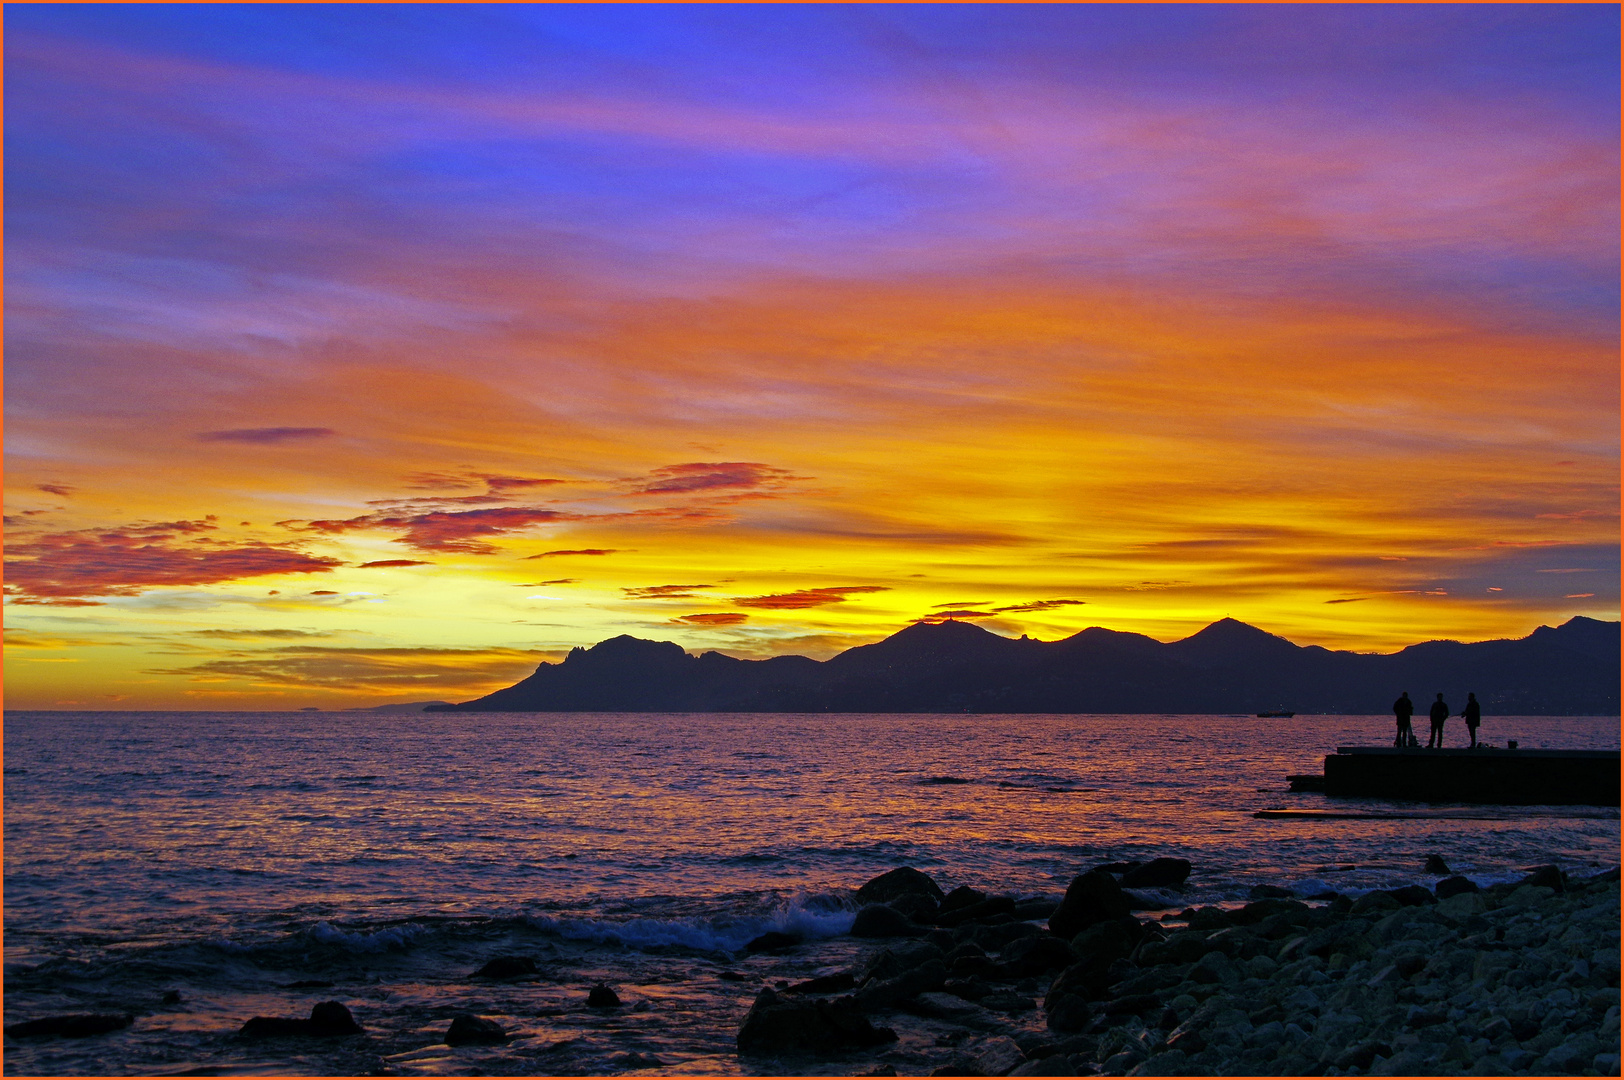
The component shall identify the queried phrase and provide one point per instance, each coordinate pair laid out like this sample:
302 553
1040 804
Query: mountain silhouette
950 666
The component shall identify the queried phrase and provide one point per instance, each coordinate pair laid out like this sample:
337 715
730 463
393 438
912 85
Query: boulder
635 1060
985 909
772 941
1258 910
1035 955
916 906
1157 874
899 882
1548 876
1375 901
998 1057
962 897
69 1026
884 993
1454 886
892 961
1070 1013
601 997
328 1019
879 920
824 984
470 1030
1436 865
776 1025
1105 942
1094 897
1413 895
507 967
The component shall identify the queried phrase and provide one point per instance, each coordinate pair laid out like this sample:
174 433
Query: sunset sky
373 353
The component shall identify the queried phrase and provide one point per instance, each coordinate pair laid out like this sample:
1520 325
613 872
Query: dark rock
1454 886
1361 1056
880 1070
1269 892
972 965
1168 1020
328 1019
732 976
1413 895
962 897
892 961
1207 918
1005 1001
507 967
774 1025
968 989
171 997
1548 876
883 993
70 1026
601 997
1070 1013
772 940
1375 901
1035 955
942 939
309 984
992 906
916 906
1186 1037
958 1069
1134 1005
899 882
1105 942
998 935
1039 907
878 920
1094 897
1409 964
1258 910
1157 874
467 1029
824 984
1436 865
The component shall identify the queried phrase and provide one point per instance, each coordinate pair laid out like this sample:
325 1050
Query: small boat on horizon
1278 712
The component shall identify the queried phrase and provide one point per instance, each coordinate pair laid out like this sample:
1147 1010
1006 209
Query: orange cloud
266 436
718 618
807 598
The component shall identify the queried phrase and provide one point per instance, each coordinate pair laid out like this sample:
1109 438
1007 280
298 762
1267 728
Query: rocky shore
1516 979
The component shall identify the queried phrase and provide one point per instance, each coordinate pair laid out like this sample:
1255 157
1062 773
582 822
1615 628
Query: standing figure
1473 715
1403 708
1440 713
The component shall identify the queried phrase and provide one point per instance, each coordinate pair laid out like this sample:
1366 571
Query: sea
198 869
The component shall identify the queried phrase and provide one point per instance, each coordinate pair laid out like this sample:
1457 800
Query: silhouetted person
1403 709
1440 713
1473 715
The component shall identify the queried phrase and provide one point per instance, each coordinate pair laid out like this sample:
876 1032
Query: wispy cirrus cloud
575 551
665 592
807 598
442 671
700 476
266 436
380 563
55 489
713 618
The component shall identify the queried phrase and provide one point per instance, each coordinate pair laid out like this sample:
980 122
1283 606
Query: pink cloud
443 530
266 435
711 475
807 598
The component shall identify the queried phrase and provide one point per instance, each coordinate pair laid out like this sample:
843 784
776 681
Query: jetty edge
1482 775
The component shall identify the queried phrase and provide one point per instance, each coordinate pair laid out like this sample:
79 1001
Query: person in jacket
1439 714
1403 709
1473 715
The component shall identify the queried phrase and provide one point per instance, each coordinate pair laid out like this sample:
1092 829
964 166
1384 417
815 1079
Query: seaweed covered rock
470 1030
328 1019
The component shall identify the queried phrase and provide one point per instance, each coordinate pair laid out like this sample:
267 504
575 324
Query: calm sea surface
222 857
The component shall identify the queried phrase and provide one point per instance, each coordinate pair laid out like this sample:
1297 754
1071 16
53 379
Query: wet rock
1167 1063
69 1026
998 1057
1034 955
916 906
470 1030
1269 892
880 1070
1549 877
1454 886
899 882
1375 901
1207 918
985 909
892 961
879 920
1157 874
1071 1013
776 1025
507 967
962 897
824 984
1413 895
1259 910
944 1006
1038 907
1092 898
1053 1065
971 989
1006 1002
1214 967
1436 865
1463 905
601 997
884 993
772 941
328 1019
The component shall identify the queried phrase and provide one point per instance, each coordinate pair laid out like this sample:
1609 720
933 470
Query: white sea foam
390 937
811 919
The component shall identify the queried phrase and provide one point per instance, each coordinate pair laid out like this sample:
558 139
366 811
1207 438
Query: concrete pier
1484 775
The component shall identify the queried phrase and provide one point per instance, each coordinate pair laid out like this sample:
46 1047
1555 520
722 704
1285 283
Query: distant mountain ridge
1228 667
